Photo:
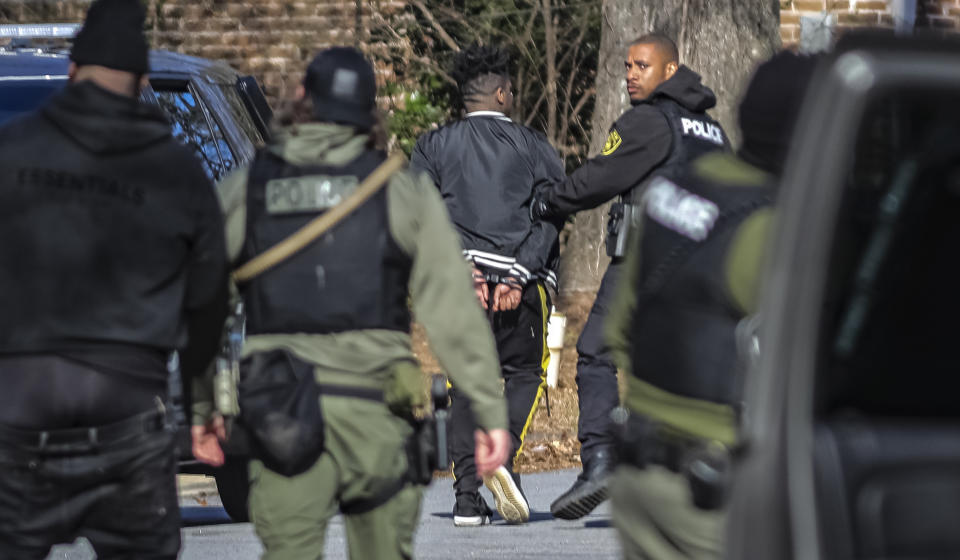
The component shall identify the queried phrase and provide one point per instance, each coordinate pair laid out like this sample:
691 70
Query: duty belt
364 393
642 442
54 441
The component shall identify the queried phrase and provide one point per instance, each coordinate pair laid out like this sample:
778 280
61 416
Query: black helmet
343 87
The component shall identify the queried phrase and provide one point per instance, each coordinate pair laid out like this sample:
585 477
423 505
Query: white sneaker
511 505
471 511
470 520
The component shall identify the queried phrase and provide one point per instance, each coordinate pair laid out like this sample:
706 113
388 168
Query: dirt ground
551 442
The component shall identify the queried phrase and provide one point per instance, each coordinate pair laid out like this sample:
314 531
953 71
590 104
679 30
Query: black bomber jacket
487 168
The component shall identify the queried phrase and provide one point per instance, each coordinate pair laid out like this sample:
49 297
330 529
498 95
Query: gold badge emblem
613 142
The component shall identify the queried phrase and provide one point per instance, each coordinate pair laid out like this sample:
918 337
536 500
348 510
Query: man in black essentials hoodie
112 257
487 168
666 128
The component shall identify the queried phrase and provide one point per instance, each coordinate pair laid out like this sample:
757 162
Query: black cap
343 87
112 36
770 108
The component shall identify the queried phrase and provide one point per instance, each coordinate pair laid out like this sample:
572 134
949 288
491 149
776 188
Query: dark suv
222 115
851 442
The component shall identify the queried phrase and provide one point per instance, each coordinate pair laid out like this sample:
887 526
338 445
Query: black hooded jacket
487 168
639 141
112 236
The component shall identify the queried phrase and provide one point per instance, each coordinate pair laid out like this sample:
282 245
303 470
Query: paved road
208 535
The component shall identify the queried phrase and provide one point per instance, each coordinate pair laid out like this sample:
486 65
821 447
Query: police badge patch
613 142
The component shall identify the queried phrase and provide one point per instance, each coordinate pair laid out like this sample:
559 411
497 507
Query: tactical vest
353 277
683 329
693 135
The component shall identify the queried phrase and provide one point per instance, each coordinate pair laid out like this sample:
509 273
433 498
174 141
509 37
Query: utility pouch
280 407
404 392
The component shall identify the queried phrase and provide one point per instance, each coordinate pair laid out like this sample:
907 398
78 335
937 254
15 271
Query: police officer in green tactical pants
690 278
340 306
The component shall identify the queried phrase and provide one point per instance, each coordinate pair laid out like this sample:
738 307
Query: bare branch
434 67
575 112
536 107
568 91
527 35
577 43
436 26
571 53
550 40
408 53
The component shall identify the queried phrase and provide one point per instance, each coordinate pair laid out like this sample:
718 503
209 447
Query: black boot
589 490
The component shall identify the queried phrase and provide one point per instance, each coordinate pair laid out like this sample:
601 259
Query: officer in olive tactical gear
665 129
487 168
112 257
690 277
340 307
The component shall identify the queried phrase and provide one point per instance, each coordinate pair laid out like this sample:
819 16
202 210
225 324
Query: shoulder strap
320 225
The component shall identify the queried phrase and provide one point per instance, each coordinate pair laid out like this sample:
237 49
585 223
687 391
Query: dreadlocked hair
479 70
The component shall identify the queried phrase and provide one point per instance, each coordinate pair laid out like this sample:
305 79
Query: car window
196 127
241 115
890 339
21 96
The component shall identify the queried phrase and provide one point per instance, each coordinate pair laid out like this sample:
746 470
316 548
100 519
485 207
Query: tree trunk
722 40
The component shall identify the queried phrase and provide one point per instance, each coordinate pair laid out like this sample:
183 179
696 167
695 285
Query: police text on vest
679 210
309 193
703 130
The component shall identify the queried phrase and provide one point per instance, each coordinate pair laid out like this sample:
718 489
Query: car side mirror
256 104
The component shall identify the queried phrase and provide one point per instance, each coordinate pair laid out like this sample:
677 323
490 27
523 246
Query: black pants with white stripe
521 337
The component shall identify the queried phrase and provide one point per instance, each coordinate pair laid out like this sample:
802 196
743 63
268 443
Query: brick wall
938 14
272 39
23 11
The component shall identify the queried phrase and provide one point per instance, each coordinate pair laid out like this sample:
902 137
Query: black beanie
770 108
112 36
343 87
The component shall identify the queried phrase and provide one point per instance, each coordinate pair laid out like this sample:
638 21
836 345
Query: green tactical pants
364 456
656 519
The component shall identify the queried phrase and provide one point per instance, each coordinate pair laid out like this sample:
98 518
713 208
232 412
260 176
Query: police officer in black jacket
487 168
665 129
112 257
